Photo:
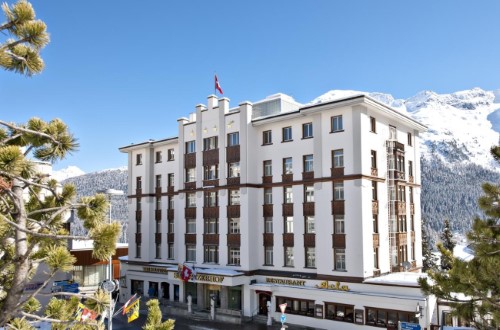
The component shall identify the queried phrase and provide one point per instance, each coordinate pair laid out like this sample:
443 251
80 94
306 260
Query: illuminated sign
336 286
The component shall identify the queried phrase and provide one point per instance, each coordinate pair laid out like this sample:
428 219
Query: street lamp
109 285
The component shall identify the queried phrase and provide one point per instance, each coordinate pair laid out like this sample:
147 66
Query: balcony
190 160
190 185
157 238
138 238
158 215
138 215
233 181
210 212
233 239
401 208
338 207
308 208
412 236
267 210
190 239
374 207
337 172
233 154
306 176
138 192
209 183
287 177
267 179
210 157
268 239
158 190
287 209
210 239
376 240
170 214
170 189
338 241
233 211
411 179
190 212
309 240
412 208
401 239
374 172
288 239
170 237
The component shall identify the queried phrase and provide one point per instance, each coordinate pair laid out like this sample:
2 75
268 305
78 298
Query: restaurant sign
332 286
204 278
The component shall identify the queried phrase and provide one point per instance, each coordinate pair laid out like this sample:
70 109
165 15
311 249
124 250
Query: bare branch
26 130
46 319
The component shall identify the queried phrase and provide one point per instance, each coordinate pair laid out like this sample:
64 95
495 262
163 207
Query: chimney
224 105
212 102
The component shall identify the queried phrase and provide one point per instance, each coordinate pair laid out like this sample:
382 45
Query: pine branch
34 293
29 131
50 320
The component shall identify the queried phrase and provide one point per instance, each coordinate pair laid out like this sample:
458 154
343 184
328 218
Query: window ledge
307 137
285 141
266 144
337 131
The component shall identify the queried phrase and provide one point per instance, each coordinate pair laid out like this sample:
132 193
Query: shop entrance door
264 297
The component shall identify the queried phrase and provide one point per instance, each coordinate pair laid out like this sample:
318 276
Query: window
138 182
413 251
234 225
393 133
268 168
307 130
158 157
308 194
234 170
157 251
402 223
211 226
211 199
190 226
289 256
337 124
171 179
211 172
338 158
158 203
138 159
374 191
170 154
375 258
388 318
412 222
210 143
310 257
234 197
288 195
171 202
338 191
233 139
411 194
308 163
373 125
375 223
190 253
268 196
191 200
288 225
374 159
296 306
339 256
234 255
339 224
190 147
267 137
171 226
138 204
170 251
268 225
410 168
211 254
339 312
268 251
191 174
158 181
287 134
138 226
401 193
309 220
287 165
410 139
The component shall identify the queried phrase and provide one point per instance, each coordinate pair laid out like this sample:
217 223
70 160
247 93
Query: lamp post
109 285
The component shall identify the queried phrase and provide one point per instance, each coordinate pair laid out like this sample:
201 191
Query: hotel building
316 206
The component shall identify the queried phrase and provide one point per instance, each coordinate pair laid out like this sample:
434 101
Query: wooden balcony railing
267 210
338 241
190 160
233 181
138 238
190 238
376 242
288 239
337 172
233 239
157 215
267 179
170 214
233 211
374 207
287 209
268 239
306 176
309 240
157 238
210 239
338 207
210 212
308 208
233 154
374 172
170 237
190 212
211 157
138 215
287 177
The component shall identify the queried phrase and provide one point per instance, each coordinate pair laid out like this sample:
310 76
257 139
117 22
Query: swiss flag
217 86
186 273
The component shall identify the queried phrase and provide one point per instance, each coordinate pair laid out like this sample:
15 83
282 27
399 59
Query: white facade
340 202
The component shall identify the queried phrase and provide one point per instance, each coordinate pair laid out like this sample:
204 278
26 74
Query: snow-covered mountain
66 173
462 126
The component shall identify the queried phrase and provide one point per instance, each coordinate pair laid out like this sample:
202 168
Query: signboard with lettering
285 281
409 326
204 278
332 286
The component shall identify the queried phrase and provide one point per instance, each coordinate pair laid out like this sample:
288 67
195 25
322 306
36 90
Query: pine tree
429 259
473 286
27 36
153 322
447 244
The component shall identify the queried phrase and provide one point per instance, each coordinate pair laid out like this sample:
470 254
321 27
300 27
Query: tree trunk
22 263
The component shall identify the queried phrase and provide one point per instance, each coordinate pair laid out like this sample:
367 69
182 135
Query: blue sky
120 71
